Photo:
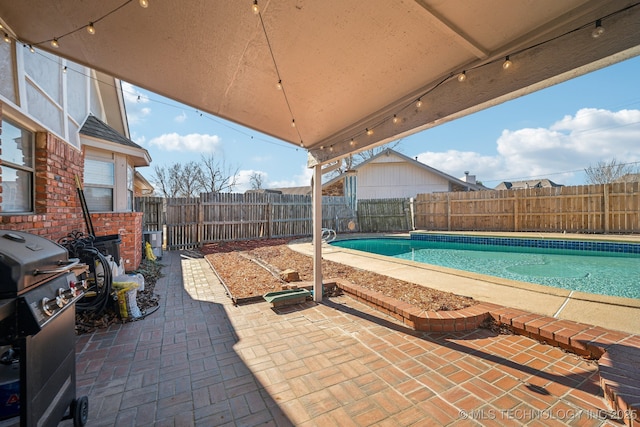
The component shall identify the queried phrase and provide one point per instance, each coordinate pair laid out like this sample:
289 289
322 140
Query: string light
352 142
293 123
91 29
507 63
419 103
331 148
31 49
54 43
395 119
7 38
144 3
369 131
598 31
462 76
255 8
279 85
64 70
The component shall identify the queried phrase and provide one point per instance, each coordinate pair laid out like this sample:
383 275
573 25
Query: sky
554 133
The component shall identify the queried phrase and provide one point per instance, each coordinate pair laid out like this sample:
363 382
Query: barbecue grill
38 292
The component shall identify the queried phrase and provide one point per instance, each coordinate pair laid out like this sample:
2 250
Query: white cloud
180 118
134 101
560 152
193 142
300 180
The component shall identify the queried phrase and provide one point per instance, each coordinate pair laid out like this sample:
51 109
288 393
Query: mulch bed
249 269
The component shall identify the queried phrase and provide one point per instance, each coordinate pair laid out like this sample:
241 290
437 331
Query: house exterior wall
391 177
37 93
57 206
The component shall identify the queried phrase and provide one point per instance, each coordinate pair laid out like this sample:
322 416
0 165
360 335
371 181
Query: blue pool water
615 271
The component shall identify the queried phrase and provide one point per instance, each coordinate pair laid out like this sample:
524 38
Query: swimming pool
606 268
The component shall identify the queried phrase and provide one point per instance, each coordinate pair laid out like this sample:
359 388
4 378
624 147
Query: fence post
269 219
516 225
606 207
200 226
448 212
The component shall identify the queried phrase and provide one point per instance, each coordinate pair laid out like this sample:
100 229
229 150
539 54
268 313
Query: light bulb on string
54 43
91 29
507 63
31 49
462 76
419 103
352 142
144 3
255 8
7 38
64 70
395 119
331 148
279 85
598 31
293 123
369 131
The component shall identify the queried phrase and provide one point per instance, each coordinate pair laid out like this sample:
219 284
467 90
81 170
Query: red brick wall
57 206
129 226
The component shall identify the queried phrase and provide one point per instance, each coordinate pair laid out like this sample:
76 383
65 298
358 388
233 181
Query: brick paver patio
199 360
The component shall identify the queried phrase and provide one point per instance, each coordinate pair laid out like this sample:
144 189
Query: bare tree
256 180
165 180
353 160
606 172
192 178
189 176
365 155
216 176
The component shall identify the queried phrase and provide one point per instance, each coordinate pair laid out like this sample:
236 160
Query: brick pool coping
618 353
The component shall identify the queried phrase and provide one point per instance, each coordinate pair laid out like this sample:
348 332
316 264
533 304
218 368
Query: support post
316 188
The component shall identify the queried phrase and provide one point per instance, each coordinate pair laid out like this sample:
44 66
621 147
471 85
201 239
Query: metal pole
316 188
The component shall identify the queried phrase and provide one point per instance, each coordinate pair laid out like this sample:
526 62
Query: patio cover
350 74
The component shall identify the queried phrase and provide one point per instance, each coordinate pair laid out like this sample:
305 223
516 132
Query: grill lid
27 260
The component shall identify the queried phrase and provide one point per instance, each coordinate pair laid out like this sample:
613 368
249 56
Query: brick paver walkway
199 360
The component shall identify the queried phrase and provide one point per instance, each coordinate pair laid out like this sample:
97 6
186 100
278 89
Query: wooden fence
191 222
214 217
608 208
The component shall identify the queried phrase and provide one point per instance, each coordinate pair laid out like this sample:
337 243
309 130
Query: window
99 181
17 170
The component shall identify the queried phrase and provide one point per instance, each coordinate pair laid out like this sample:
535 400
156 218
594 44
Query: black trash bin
109 245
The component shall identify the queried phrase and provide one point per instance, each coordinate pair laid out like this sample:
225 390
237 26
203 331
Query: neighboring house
61 121
390 174
532 183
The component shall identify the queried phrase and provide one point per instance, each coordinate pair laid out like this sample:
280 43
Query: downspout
316 188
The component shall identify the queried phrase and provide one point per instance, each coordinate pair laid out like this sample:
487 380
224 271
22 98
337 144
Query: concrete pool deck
615 313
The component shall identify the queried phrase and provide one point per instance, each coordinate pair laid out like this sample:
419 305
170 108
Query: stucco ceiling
345 65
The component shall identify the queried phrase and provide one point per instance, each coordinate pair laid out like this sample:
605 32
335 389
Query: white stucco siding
389 179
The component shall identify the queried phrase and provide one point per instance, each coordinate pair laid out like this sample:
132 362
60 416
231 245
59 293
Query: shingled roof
96 128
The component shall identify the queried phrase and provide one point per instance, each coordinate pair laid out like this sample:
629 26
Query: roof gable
401 157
